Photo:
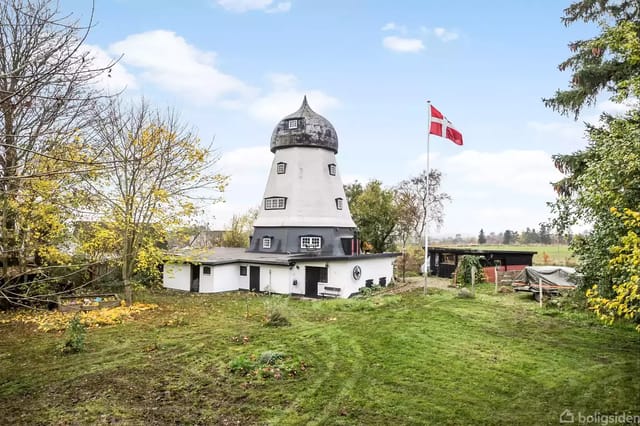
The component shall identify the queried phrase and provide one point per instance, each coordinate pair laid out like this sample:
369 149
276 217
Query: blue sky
233 68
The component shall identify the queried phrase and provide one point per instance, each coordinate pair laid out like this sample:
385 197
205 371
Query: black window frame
339 203
320 239
268 203
243 270
284 168
206 270
333 169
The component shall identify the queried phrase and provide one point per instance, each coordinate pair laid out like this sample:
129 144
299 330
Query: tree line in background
528 236
89 182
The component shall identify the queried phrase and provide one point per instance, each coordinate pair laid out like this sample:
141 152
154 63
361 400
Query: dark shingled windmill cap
304 127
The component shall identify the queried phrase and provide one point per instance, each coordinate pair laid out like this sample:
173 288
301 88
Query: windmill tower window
275 203
339 203
311 242
281 168
332 169
292 124
266 243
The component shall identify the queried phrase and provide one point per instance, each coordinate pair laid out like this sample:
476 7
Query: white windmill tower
304 208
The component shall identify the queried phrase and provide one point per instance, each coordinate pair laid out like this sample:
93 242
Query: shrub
75 333
275 316
463 271
465 293
270 357
276 319
269 365
241 365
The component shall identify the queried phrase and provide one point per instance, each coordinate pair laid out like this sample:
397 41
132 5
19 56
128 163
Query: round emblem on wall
356 272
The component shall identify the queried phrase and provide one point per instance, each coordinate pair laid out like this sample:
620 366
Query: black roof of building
227 255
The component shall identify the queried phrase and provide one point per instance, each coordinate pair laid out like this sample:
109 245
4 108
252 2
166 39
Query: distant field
557 254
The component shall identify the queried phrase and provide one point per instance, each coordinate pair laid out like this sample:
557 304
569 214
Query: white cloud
392 26
403 45
616 108
525 172
285 97
352 178
282 80
389 26
168 61
280 8
501 213
248 169
495 190
118 78
569 133
444 34
241 6
246 165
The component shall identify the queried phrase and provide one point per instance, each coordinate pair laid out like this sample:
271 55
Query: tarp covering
552 276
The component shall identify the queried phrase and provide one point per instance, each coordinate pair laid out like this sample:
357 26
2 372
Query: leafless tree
421 194
47 89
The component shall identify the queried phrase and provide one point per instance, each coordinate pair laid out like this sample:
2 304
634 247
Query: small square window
281 168
243 271
332 169
339 203
266 243
293 124
206 270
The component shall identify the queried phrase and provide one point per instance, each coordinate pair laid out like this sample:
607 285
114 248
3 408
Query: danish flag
442 127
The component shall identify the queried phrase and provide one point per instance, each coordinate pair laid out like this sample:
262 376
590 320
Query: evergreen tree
609 61
606 174
507 237
545 235
481 237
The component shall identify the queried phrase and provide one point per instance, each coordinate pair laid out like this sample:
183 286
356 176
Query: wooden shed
443 261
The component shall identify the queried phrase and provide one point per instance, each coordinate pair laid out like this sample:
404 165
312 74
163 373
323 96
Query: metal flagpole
426 211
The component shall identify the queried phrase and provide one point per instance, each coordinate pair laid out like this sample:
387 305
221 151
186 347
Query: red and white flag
442 127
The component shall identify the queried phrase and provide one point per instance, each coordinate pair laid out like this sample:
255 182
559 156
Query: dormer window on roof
293 124
266 243
311 242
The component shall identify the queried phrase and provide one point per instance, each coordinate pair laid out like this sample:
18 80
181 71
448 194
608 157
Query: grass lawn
399 359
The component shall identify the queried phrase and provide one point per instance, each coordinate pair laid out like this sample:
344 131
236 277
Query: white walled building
304 240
